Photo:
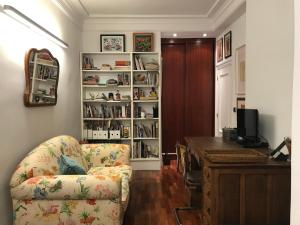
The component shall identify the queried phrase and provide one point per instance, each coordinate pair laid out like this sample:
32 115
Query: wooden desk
242 193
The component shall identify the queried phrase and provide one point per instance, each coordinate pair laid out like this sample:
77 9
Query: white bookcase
121 103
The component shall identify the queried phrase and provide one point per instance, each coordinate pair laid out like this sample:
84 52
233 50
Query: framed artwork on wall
143 42
112 43
227 44
240 103
219 50
240 64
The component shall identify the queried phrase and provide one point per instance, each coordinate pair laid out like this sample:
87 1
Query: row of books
139 65
105 111
138 111
149 78
142 130
142 150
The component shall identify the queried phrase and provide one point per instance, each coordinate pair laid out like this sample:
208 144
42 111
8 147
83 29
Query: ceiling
200 8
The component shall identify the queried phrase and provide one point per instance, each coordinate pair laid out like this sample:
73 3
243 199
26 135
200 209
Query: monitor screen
247 123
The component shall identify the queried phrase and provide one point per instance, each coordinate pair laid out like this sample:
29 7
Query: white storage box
90 134
114 134
96 134
103 134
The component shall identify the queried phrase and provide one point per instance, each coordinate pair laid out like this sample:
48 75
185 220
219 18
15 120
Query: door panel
187 90
199 101
173 66
224 102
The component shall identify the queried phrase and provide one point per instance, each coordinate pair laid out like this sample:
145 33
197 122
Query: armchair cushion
124 171
69 187
106 154
68 166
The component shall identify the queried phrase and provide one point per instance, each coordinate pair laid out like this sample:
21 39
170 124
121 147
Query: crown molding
210 12
227 13
72 11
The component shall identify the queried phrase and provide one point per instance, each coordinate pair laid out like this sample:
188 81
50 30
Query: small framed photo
112 43
227 44
143 42
219 50
240 103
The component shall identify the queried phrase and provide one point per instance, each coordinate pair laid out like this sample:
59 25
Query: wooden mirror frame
30 80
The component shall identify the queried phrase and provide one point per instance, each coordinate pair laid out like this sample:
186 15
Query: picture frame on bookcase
219 49
227 45
143 42
112 42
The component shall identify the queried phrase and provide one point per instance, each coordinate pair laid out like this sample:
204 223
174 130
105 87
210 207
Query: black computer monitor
247 124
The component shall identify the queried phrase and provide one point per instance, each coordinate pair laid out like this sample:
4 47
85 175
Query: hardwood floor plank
154 194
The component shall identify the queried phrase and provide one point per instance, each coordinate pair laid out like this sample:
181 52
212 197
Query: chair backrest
183 159
43 160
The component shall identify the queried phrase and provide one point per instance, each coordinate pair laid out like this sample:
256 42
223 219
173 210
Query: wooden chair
192 180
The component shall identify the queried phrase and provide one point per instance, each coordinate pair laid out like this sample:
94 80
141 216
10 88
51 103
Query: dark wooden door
187 90
199 91
173 98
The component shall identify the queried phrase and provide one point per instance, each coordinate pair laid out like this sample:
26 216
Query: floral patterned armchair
42 195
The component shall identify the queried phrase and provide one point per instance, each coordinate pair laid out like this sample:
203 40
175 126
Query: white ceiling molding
230 11
73 10
146 24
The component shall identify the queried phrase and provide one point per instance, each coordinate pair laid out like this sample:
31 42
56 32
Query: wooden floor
154 194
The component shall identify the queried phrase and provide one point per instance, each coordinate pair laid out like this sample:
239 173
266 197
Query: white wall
269 70
24 128
295 200
238 29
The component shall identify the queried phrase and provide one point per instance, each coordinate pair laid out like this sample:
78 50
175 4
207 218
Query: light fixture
174 35
25 20
204 35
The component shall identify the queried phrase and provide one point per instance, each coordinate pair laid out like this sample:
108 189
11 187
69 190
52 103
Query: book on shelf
138 63
122 63
144 131
143 150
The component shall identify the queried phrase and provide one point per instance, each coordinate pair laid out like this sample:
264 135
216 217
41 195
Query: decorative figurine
118 96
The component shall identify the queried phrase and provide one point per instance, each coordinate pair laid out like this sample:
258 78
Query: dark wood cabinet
242 193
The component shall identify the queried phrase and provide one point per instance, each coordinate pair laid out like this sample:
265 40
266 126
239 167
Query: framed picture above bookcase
121 102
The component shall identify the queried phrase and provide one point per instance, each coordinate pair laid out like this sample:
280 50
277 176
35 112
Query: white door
223 101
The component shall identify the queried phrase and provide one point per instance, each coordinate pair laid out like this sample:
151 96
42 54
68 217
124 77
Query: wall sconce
25 20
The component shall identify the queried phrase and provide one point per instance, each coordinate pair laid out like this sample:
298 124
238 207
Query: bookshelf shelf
106 86
145 101
106 71
146 118
145 71
123 116
145 138
106 119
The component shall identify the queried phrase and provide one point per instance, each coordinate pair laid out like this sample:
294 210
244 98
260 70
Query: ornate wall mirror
41 72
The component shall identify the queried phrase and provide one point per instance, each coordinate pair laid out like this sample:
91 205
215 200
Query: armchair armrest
106 154
69 187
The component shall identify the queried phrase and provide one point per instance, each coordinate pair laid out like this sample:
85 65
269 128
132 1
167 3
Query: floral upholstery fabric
67 212
106 154
69 187
124 171
41 195
43 160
